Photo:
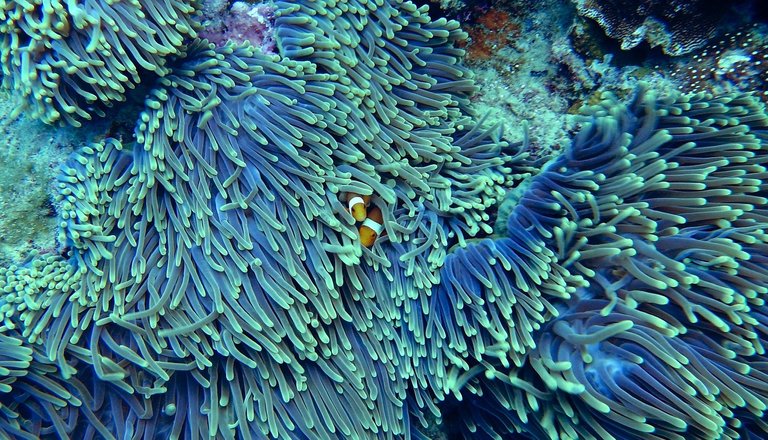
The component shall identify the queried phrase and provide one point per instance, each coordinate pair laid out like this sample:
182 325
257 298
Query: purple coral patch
240 22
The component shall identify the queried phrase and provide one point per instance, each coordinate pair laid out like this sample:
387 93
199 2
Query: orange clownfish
357 206
372 227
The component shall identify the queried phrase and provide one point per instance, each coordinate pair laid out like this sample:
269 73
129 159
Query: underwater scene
384 219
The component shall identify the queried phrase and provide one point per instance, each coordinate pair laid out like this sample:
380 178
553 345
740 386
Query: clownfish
358 206
372 227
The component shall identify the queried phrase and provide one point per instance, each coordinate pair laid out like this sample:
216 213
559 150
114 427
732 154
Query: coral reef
514 52
678 26
66 61
324 242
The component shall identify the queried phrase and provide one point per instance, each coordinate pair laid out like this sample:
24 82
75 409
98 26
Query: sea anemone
658 211
217 280
68 60
214 261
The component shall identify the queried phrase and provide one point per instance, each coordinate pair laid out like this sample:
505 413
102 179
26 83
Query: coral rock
678 26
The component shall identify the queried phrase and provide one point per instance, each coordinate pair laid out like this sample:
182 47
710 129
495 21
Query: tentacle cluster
659 213
214 262
68 60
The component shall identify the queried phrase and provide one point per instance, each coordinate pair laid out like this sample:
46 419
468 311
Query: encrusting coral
678 26
216 285
736 61
68 60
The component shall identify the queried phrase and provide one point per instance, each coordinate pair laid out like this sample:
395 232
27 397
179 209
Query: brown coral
492 31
